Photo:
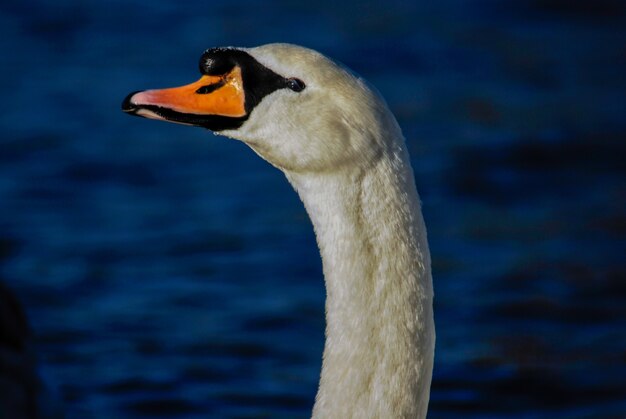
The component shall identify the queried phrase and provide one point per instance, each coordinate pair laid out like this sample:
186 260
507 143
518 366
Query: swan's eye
210 88
296 85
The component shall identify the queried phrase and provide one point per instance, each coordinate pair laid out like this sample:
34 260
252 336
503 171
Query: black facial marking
258 80
216 61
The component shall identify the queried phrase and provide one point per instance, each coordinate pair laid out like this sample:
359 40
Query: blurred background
167 272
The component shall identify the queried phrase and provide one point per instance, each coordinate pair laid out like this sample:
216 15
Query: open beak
209 97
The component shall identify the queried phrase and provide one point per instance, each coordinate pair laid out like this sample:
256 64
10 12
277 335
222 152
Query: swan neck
378 353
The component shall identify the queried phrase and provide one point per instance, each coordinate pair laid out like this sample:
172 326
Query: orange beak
209 96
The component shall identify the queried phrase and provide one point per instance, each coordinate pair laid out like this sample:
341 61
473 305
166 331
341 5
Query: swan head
296 108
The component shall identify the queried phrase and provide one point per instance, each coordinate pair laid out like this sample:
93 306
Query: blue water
167 272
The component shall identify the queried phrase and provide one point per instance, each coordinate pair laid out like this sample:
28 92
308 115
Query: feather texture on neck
378 355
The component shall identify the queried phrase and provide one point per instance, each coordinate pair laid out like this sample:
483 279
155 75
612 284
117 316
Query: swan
340 147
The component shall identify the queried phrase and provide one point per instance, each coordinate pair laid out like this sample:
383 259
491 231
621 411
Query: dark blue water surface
168 272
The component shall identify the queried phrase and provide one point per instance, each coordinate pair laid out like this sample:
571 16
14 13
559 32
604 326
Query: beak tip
128 105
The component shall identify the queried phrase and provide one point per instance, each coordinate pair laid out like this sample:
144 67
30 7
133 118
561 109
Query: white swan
342 150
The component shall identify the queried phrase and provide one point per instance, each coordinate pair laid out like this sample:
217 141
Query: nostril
210 88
